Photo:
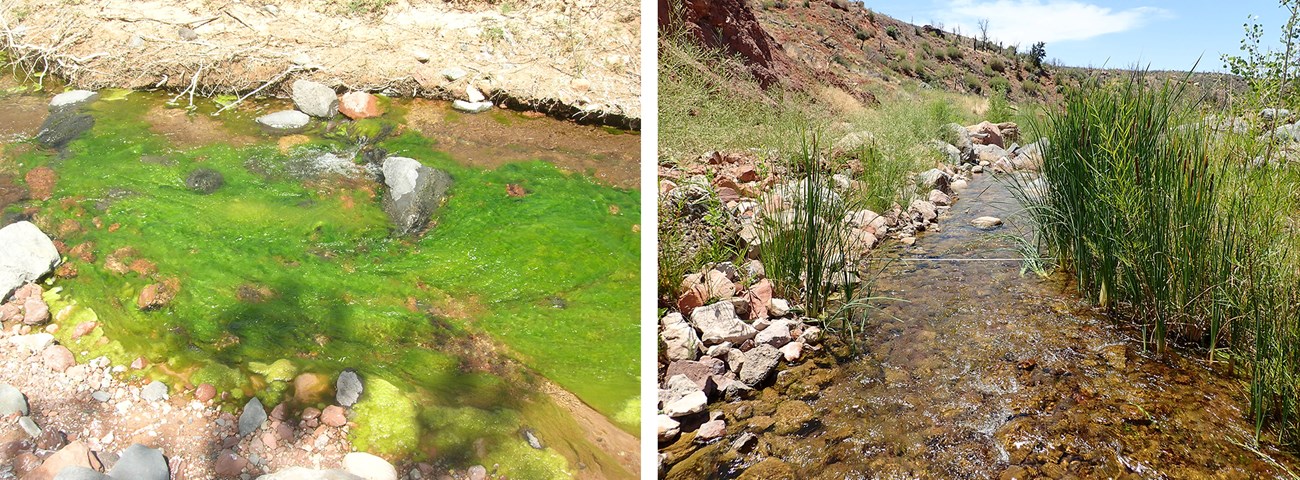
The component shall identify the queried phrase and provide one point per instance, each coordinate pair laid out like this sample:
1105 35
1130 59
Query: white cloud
1027 21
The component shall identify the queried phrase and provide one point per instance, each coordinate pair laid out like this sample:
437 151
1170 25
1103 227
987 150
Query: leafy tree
1271 75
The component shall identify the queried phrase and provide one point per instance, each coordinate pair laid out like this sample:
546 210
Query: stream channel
512 316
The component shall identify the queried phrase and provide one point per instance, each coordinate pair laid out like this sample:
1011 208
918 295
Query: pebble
28 425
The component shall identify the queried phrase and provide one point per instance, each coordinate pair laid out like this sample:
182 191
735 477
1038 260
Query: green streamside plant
804 241
1164 224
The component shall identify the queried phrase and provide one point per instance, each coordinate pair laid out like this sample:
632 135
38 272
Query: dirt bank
576 59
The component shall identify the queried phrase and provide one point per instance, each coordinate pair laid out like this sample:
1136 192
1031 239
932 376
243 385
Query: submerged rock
284 120
63 126
205 180
414 193
348 389
986 223
315 99
26 255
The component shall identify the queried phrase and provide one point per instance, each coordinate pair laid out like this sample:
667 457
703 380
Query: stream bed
979 370
527 281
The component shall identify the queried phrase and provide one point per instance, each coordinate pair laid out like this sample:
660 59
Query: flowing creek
513 316
979 371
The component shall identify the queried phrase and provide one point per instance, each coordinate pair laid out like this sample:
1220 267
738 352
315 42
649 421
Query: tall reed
1142 205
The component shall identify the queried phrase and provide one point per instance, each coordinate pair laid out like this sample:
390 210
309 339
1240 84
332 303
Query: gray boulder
284 120
26 255
252 418
315 99
300 473
414 193
11 401
759 363
348 388
935 179
78 472
205 180
139 462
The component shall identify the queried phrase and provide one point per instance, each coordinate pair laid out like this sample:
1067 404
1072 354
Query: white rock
369 467
71 98
692 403
811 334
34 343
285 120
26 255
792 351
718 323
473 94
986 223
453 73
421 56
668 428
471 107
681 342
315 99
300 473
778 307
776 334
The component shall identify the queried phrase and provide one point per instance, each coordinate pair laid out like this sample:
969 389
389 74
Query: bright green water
340 286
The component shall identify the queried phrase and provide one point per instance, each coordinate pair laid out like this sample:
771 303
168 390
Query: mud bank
572 59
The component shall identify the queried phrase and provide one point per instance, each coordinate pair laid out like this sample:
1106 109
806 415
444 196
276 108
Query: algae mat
280 273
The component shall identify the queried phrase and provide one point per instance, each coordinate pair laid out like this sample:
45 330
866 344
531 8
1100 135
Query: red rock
10 312
746 173
277 413
66 270
58 358
309 387
73 454
156 295
205 392
35 311
358 105
84 328
694 297
334 416
310 413
515 190
230 465
759 295
139 363
986 134
284 432
144 267
270 440
30 290
26 464
40 182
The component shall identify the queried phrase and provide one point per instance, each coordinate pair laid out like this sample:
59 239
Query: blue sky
1165 34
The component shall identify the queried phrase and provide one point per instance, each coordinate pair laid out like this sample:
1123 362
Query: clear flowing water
978 371
282 271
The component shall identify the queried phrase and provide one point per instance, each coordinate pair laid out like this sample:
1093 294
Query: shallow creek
979 371
461 335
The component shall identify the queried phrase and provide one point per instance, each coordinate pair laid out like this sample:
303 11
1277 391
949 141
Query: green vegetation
999 108
724 109
279 275
1162 224
804 250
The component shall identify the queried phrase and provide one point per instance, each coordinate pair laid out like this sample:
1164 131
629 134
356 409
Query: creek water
289 269
979 371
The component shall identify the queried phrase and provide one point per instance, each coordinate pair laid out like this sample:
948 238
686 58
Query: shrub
972 83
954 52
999 83
1031 87
999 108
892 31
998 65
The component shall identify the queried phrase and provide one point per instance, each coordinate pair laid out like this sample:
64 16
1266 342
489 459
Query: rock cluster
314 99
725 349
